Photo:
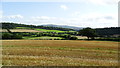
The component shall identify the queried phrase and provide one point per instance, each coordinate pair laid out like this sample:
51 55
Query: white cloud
103 2
14 16
44 20
1 13
64 7
97 20
76 14
94 20
37 18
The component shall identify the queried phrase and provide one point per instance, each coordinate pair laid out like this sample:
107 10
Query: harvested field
59 53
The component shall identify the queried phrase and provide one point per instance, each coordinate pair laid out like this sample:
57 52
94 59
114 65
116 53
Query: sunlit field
59 53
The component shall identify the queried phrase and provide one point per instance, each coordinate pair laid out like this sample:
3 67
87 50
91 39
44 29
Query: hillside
16 25
63 31
64 26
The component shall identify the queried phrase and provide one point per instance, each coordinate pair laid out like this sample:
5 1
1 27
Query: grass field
45 30
23 28
59 53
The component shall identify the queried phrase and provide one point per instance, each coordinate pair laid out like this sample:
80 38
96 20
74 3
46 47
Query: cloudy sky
82 13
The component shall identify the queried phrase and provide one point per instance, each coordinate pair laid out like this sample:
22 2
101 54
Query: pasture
45 30
25 29
59 53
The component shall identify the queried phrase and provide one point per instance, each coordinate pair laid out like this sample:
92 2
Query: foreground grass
59 53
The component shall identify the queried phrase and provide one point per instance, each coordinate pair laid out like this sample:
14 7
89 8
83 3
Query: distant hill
7 25
64 26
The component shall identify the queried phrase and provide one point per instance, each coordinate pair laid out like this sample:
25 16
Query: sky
82 13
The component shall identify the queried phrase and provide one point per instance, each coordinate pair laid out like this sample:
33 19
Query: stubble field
59 53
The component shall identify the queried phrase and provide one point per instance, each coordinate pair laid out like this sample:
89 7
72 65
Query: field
59 53
45 30
42 38
25 29
81 37
20 30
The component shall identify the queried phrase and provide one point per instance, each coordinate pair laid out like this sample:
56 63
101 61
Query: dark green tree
8 26
6 35
89 32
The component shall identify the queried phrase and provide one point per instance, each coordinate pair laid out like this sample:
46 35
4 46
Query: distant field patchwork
32 30
20 30
49 30
59 53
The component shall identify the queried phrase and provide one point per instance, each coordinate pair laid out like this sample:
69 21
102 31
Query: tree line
108 31
20 35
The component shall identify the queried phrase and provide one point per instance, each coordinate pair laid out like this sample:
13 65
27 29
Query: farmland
49 30
59 53
25 29
42 38
20 30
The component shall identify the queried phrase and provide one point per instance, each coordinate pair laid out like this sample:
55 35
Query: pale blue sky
81 14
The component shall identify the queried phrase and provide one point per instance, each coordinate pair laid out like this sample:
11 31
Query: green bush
11 36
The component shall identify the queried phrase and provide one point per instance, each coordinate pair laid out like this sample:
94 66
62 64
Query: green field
23 28
45 30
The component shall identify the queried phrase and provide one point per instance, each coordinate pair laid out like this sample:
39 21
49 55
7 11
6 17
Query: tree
11 36
8 26
89 32
6 35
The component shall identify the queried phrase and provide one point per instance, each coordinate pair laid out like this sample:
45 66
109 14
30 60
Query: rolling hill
64 26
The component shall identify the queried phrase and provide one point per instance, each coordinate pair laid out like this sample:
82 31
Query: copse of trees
8 26
89 32
108 31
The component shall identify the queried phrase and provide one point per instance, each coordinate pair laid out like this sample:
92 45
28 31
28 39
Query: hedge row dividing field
59 53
